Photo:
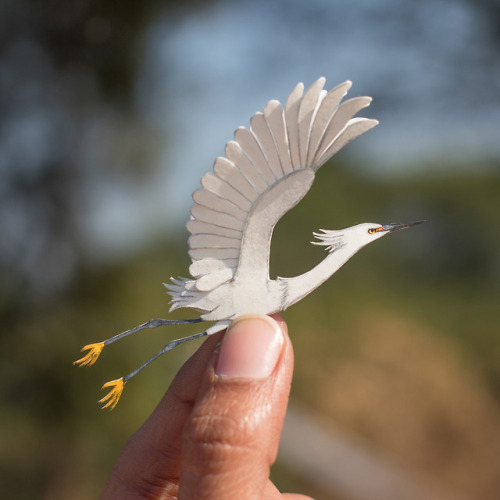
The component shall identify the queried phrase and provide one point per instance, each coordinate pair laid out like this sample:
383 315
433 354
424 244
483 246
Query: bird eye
372 230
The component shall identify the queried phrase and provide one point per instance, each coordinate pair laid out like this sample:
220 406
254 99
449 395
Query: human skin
215 433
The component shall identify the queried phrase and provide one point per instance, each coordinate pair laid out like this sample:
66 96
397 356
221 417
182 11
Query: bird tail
182 291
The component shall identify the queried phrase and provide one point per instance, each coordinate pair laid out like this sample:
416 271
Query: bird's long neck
300 286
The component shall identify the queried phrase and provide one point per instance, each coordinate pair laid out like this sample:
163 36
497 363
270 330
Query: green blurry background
399 351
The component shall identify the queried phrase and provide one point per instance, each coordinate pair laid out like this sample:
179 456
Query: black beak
391 228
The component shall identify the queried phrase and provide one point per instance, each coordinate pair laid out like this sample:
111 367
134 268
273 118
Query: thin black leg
166 348
153 323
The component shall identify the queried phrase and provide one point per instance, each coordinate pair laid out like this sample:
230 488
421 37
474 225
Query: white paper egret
266 171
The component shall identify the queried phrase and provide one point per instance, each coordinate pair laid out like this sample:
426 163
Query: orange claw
114 394
91 357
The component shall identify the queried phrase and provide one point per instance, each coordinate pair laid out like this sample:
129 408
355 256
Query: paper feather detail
332 240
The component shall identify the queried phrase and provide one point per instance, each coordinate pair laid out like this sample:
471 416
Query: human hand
215 433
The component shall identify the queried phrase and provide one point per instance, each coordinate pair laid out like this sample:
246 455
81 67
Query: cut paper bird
267 169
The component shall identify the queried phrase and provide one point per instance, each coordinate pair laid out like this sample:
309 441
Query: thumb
231 438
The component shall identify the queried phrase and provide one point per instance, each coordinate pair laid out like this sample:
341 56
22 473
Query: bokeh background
109 114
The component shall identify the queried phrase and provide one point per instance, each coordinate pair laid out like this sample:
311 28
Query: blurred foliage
69 128
98 35
418 309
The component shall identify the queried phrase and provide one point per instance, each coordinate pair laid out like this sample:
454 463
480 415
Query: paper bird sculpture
266 171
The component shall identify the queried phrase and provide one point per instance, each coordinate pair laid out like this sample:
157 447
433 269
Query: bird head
356 237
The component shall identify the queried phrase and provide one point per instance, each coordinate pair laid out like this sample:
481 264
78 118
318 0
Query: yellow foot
91 357
114 394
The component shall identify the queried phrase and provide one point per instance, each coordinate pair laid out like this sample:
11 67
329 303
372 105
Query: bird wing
267 169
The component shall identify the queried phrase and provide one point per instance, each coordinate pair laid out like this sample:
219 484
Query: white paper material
267 170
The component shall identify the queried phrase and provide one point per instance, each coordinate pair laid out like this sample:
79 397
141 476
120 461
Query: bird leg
111 399
95 349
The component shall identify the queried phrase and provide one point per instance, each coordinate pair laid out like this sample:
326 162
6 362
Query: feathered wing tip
319 125
332 240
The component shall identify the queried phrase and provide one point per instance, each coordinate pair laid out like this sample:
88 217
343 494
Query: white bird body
262 295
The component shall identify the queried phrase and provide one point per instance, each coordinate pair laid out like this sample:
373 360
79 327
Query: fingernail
251 348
